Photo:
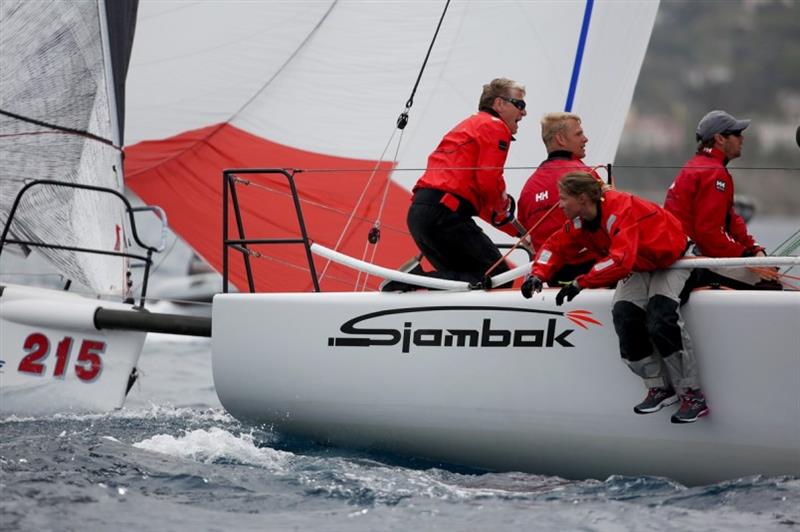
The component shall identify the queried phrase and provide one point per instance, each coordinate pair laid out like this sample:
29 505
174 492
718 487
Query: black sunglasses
519 104
729 133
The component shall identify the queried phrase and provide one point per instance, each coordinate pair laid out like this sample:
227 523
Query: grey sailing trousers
653 338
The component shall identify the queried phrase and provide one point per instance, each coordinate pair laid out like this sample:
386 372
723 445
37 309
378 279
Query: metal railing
129 209
229 181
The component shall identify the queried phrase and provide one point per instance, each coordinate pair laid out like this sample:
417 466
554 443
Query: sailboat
269 128
73 347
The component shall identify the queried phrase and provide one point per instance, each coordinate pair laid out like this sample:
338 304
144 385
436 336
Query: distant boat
62 71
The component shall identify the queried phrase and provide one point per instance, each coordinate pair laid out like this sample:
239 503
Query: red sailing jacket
540 193
630 234
469 163
701 197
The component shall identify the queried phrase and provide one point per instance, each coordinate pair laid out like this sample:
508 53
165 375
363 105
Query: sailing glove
569 291
531 285
507 215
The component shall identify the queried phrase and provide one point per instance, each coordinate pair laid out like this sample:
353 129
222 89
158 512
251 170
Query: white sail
319 85
58 122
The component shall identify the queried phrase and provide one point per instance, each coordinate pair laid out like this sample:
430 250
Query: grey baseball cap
717 122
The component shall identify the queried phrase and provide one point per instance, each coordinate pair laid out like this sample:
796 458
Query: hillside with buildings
739 55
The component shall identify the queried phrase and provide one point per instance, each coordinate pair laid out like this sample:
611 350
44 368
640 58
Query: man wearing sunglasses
701 197
464 178
565 140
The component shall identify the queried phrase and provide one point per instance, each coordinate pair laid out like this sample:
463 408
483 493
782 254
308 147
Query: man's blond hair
555 123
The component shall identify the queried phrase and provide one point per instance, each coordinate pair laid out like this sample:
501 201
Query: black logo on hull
487 335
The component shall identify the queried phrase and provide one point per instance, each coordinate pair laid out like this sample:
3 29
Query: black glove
508 216
569 291
531 285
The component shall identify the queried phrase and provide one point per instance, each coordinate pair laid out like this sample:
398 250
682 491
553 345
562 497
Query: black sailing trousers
451 240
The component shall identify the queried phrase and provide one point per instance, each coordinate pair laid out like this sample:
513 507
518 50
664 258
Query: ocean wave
218 446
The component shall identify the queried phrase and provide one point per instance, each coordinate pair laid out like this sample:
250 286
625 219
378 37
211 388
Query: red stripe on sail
183 174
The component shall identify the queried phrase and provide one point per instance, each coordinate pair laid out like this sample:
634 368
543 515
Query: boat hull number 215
87 366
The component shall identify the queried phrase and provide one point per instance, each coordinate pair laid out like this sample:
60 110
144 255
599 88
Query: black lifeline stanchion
230 179
240 244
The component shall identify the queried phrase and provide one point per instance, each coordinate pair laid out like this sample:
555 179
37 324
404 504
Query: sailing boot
657 398
693 407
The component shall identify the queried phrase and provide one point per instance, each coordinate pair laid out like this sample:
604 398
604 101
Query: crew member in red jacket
701 197
635 240
565 140
464 178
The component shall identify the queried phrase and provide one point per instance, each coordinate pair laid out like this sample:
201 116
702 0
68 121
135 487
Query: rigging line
519 240
650 167
358 203
63 129
777 275
378 224
792 241
410 101
259 255
321 205
286 63
534 167
358 277
402 120
388 181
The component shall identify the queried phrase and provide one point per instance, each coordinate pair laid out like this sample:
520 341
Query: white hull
542 407
54 360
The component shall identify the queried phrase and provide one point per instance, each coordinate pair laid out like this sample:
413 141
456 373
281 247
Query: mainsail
318 86
60 120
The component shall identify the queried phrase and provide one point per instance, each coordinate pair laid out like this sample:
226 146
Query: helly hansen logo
720 185
503 145
541 196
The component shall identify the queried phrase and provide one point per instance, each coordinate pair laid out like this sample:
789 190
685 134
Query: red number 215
87 367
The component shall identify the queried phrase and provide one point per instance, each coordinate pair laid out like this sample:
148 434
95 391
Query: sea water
172 459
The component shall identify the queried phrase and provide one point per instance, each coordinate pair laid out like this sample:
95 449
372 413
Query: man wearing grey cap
701 197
